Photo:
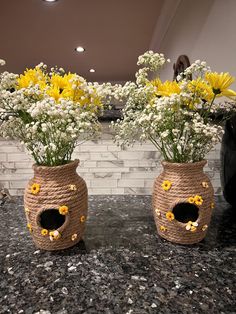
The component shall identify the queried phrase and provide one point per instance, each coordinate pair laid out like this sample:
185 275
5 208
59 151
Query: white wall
201 29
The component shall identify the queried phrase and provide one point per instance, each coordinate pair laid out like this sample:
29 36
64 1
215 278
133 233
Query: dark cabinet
228 161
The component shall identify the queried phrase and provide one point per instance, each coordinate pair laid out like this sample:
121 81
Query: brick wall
106 168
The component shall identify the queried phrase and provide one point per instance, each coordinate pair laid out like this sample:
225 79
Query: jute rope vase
56 205
182 202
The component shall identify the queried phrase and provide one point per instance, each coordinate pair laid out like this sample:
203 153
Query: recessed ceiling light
79 49
92 70
50 0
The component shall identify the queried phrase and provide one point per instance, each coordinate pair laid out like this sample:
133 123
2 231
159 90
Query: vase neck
56 172
186 168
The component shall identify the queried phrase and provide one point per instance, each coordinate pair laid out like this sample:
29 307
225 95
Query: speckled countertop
121 267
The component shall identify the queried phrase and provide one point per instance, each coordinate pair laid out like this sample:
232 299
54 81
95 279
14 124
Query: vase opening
51 219
185 212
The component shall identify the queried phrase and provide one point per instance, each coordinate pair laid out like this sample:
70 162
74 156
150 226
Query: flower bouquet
48 111
176 116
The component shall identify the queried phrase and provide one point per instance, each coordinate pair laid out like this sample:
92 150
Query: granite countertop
122 266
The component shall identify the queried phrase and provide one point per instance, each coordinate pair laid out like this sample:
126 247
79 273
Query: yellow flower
44 232
163 228
198 200
168 88
205 185
35 188
191 226
82 218
204 227
166 185
54 235
73 187
220 82
212 205
63 210
31 77
158 212
29 226
170 216
201 91
191 200
74 236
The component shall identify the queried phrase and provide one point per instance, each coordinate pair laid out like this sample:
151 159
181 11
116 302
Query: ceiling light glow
50 0
79 49
92 70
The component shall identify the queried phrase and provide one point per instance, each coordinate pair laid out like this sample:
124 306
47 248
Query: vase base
63 246
184 241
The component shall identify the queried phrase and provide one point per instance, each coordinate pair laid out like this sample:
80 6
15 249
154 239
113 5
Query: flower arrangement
48 111
176 116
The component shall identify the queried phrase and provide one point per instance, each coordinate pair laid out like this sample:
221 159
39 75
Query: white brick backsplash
99 191
93 148
106 168
18 184
131 182
18 157
112 169
140 175
3 157
104 156
127 155
95 183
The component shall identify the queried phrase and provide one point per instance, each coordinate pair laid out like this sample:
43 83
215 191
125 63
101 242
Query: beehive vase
182 202
56 205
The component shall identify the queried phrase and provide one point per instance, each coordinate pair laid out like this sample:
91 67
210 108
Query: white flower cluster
2 62
49 127
177 123
154 61
151 62
198 68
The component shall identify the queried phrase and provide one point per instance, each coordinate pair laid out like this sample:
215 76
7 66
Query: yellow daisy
35 188
168 88
63 210
44 232
198 200
82 218
220 82
191 200
170 216
166 185
163 228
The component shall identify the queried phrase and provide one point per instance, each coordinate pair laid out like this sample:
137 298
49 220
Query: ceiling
113 32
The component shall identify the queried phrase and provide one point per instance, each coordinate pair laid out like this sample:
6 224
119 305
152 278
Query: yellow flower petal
35 188
166 185
170 216
163 228
44 232
63 210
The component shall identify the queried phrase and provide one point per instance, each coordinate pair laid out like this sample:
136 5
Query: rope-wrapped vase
56 206
182 202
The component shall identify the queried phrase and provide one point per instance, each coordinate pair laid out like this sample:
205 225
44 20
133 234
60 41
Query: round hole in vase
51 219
185 212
